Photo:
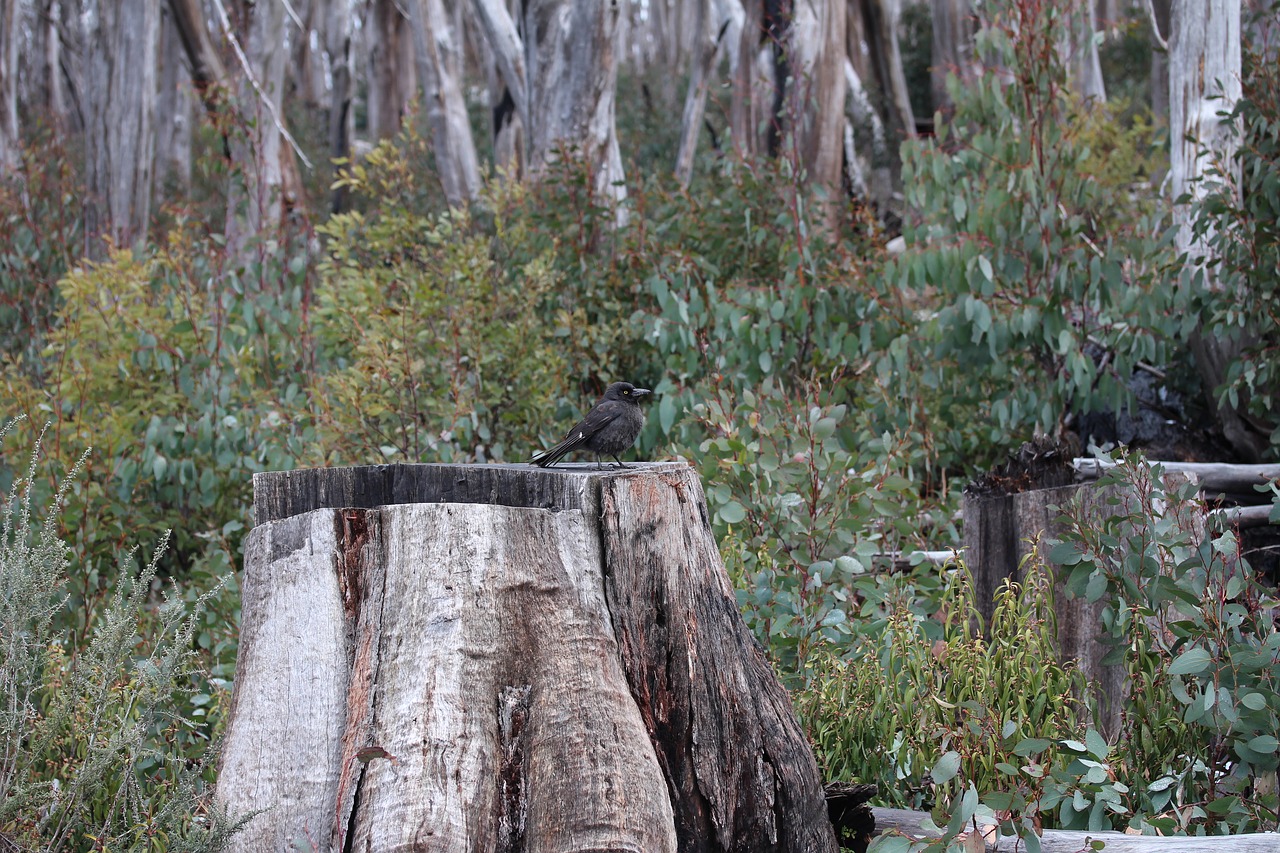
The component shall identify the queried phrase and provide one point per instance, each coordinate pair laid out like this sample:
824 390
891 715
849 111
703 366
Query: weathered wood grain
463 673
741 772
281 494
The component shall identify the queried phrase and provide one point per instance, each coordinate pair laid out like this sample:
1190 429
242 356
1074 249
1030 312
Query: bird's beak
641 392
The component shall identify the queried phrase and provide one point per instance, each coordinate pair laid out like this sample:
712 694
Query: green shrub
927 709
437 346
1198 635
1036 287
92 751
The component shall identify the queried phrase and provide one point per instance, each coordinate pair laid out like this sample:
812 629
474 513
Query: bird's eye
626 392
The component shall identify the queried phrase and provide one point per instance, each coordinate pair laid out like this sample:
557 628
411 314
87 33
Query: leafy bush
927 709
437 345
1237 222
1036 286
91 753
1199 638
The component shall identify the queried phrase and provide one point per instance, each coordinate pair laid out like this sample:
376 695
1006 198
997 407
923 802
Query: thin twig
248 70
288 7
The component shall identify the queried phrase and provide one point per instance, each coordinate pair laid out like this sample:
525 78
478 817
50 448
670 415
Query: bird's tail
552 455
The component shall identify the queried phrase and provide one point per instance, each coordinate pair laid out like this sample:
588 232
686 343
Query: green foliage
438 349
40 229
929 706
91 753
1236 221
1198 636
1037 285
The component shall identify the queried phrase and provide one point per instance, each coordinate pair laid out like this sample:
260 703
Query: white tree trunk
438 53
1081 52
883 18
337 44
572 63
10 35
1204 80
562 76
122 39
818 97
715 24
446 658
1204 83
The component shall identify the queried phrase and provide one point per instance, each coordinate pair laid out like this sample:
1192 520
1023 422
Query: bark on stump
1014 510
501 657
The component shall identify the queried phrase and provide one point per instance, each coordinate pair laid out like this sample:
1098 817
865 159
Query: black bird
612 425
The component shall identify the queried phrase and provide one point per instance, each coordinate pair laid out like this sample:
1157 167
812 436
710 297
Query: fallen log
504 657
1214 478
913 824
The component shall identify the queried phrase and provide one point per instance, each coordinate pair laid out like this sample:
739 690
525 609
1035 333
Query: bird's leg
621 464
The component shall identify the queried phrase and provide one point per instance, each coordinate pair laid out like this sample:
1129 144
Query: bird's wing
597 419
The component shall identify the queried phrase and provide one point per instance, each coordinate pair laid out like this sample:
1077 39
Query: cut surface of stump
501 657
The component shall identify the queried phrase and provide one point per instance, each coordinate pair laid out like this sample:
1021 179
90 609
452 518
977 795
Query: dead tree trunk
499 657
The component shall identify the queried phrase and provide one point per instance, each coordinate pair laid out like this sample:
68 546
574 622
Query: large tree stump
1014 513
501 658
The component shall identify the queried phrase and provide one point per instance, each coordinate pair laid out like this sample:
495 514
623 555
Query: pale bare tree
1204 84
1080 50
438 53
174 112
338 47
719 23
882 24
255 201
10 38
121 38
562 76
818 99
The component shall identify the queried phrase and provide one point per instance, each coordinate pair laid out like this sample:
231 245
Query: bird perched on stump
612 425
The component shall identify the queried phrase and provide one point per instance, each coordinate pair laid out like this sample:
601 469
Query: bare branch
248 70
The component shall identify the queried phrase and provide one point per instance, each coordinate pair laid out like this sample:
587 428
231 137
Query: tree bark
714 32
10 35
174 113
437 52
499 657
572 64
507 85
882 25
121 87
255 202
1082 52
818 43
1159 28
392 77
953 32
562 75
1205 82
207 70
337 31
